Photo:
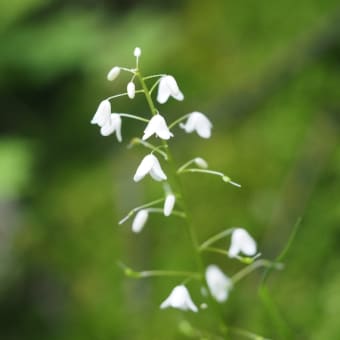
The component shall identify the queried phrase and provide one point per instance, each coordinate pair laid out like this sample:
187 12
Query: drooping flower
242 242
179 298
102 115
157 125
219 284
198 122
169 204
168 87
114 124
113 73
149 165
131 89
140 220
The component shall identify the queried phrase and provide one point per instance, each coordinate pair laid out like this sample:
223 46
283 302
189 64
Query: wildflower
219 284
169 204
131 90
137 52
102 115
140 220
113 74
241 241
149 165
114 124
179 298
168 87
199 122
157 125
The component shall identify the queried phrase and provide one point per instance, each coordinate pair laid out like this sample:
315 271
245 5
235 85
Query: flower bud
137 52
201 163
169 204
140 220
113 74
131 90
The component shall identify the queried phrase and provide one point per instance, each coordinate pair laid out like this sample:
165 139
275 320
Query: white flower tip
179 298
201 163
242 242
169 204
139 221
113 73
131 90
137 52
219 284
102 115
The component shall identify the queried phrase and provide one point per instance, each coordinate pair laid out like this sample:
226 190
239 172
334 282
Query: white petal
131 90
114 73
179 298
241 241
137 52
163 91
144 167
169 204
157 125
219 284
116 121
140 220
190 125
102 115
156 171
107 129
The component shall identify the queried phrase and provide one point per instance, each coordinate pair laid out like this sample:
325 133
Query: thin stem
247 334
153 76
247 270
147 93
154 85
185 165
127 115
216 238
174 212
123 94
177 121
131 212
149 146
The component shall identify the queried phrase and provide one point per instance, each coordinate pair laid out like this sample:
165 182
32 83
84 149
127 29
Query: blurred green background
267 73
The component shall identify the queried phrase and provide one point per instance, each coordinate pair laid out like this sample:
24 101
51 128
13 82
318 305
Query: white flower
201 163
219 284
157 125
168 87
113 124
149 164
131 89
199 122
241 241
140 220
102 115
179 298
137 52
114 73
169 204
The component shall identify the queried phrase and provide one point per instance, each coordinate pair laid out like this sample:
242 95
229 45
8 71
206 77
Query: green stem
177 121
147 93
127 115
246 334
216 238
122 94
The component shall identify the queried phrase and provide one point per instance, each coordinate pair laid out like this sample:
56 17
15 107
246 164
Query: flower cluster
156 127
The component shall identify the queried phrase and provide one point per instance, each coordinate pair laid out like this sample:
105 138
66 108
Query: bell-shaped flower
180 298
102 115
112 125
131 89
241 242
219 284
198 122
157 125
149 165
169 204
113 73
140 220
168 87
